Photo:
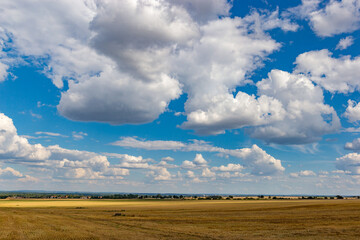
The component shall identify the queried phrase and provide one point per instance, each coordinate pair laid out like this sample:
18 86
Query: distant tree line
5 195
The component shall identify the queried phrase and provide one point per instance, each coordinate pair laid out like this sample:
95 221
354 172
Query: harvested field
192 219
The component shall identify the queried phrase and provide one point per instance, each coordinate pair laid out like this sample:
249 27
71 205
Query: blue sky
201 96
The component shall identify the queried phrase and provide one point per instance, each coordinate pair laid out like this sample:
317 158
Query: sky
180 96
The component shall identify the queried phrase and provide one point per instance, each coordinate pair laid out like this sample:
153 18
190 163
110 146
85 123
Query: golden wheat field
166 219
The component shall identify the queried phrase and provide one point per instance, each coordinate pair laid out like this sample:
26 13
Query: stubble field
150 219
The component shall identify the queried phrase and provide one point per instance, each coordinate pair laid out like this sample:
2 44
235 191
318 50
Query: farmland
179 219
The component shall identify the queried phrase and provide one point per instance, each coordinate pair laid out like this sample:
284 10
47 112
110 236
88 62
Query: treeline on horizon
35 195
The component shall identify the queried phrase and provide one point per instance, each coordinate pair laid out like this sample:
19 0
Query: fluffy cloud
258 161
306 117
132 162
334 18
207 173
305 173
167 159
226 112
255 159
352 112
333 74
229 168
160 174
10 173
219 62
14 146
349 163
129 73
188 164
354 145
64 163
198 162
149 145
344 43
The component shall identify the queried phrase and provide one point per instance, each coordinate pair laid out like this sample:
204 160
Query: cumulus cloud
254 158
167 159
258 161
129 161
349 163
333 74
129 73
229 168
210 71
335 17
344 43
190 174
160 174
198 162
64 163
207 173
354 145
149 145
188 164
352 112
305 117
14 146
304 173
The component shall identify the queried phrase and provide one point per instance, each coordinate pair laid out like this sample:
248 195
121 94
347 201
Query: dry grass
139 219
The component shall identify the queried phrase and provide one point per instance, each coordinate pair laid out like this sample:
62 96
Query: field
151 219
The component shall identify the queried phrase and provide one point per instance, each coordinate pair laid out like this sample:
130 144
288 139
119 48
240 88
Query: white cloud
304 173
335 17
210 71
199 160
132 162
149 145
344 43
129 72
270 20
3 71
354 145
226 112
207 173
79 135
188 164
229 168
64 163
51 134
333 74
256 159
160 174
305 116
10 173
352 112
190 174
349 163
167 159
14 146
352 130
